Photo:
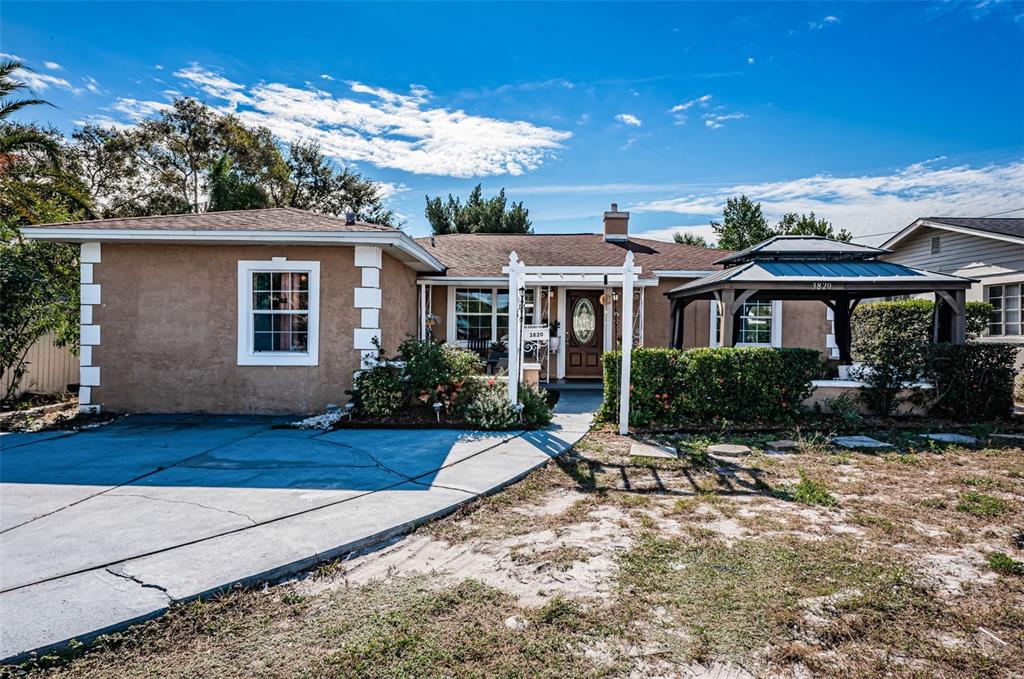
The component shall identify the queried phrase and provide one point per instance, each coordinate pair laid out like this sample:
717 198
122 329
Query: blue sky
869 114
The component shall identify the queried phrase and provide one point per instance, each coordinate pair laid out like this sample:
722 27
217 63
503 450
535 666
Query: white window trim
246 355
776 327
452 329
986 289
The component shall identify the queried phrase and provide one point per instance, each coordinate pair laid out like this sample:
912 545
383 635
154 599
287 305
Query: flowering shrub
669 386
490 407
437 372
973 382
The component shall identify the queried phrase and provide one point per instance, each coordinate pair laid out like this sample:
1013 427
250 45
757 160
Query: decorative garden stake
437 410
349 407
519 411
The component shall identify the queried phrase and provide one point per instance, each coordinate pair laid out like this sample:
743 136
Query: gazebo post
957 301
728 317
844 334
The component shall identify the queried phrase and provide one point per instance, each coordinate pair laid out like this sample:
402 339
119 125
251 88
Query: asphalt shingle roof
483 255
268 219
1007 226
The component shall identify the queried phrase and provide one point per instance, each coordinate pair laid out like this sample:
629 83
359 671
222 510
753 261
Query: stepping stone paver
781 445
950 438
641 449
1011 437
860 442
728 449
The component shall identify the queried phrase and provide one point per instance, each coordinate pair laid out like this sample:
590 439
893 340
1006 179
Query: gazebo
838 274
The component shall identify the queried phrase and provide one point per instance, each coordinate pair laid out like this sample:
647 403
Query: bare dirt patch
813 563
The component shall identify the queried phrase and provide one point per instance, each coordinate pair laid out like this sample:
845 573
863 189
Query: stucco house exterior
273 311
988 250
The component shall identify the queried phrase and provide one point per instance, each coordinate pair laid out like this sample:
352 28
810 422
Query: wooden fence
50 369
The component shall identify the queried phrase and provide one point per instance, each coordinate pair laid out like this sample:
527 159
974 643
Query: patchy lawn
811 563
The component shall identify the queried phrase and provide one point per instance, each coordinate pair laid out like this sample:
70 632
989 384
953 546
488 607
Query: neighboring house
988 250
272 311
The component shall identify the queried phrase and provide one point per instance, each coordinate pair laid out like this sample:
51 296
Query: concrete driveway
106 526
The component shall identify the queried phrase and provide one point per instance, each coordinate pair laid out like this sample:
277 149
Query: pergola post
728 318
627 343
515 280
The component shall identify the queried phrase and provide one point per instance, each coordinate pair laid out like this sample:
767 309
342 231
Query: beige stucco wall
658 317
169 340
399 314
805 325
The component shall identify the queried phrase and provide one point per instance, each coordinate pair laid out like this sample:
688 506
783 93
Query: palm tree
18 140
31 168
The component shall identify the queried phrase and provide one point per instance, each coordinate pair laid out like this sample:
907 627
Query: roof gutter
391 239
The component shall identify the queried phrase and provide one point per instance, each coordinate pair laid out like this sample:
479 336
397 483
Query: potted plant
553 339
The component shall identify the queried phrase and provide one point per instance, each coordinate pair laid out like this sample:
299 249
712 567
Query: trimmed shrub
669 387
536 410
379 390
1018 388
973 382
490 408
894 340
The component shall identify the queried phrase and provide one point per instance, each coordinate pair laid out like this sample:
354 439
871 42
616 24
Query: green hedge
973 382
670 387
907 321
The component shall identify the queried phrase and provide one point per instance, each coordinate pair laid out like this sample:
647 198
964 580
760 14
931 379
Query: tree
477 215
229 190
315 183
792 224
690 239
743 224
38 280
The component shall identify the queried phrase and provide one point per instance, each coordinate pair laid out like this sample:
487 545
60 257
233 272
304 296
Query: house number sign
821 285
535 333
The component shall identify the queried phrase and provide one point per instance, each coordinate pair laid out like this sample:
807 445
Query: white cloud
158 67
750 60
91 84
52 65
326 77
385 128
818 25
40 82
715 120
666 233
8 55
679 109
136 110
629 119
871 204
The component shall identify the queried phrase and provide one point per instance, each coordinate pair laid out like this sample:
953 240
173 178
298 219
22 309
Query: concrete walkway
105 527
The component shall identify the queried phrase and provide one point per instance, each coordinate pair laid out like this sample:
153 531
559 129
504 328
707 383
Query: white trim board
395 239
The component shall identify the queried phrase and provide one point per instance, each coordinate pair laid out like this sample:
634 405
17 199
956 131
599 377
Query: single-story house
988 250
272 311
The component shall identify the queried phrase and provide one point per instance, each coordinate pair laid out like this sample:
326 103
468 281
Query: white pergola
521 276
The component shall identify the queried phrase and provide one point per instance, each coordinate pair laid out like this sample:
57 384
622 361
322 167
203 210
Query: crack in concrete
157 470
186 502
140 583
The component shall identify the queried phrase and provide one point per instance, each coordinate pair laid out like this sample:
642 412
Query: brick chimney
616 224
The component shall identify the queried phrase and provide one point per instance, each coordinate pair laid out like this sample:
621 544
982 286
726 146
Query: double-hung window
481 314
759 324
756 324
278 312
1006 309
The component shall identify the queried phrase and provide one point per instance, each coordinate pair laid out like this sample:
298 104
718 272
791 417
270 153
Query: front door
585 341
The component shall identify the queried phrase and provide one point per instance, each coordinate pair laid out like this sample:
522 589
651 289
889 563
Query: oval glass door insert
584 321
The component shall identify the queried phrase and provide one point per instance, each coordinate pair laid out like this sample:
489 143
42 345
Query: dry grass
814 563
